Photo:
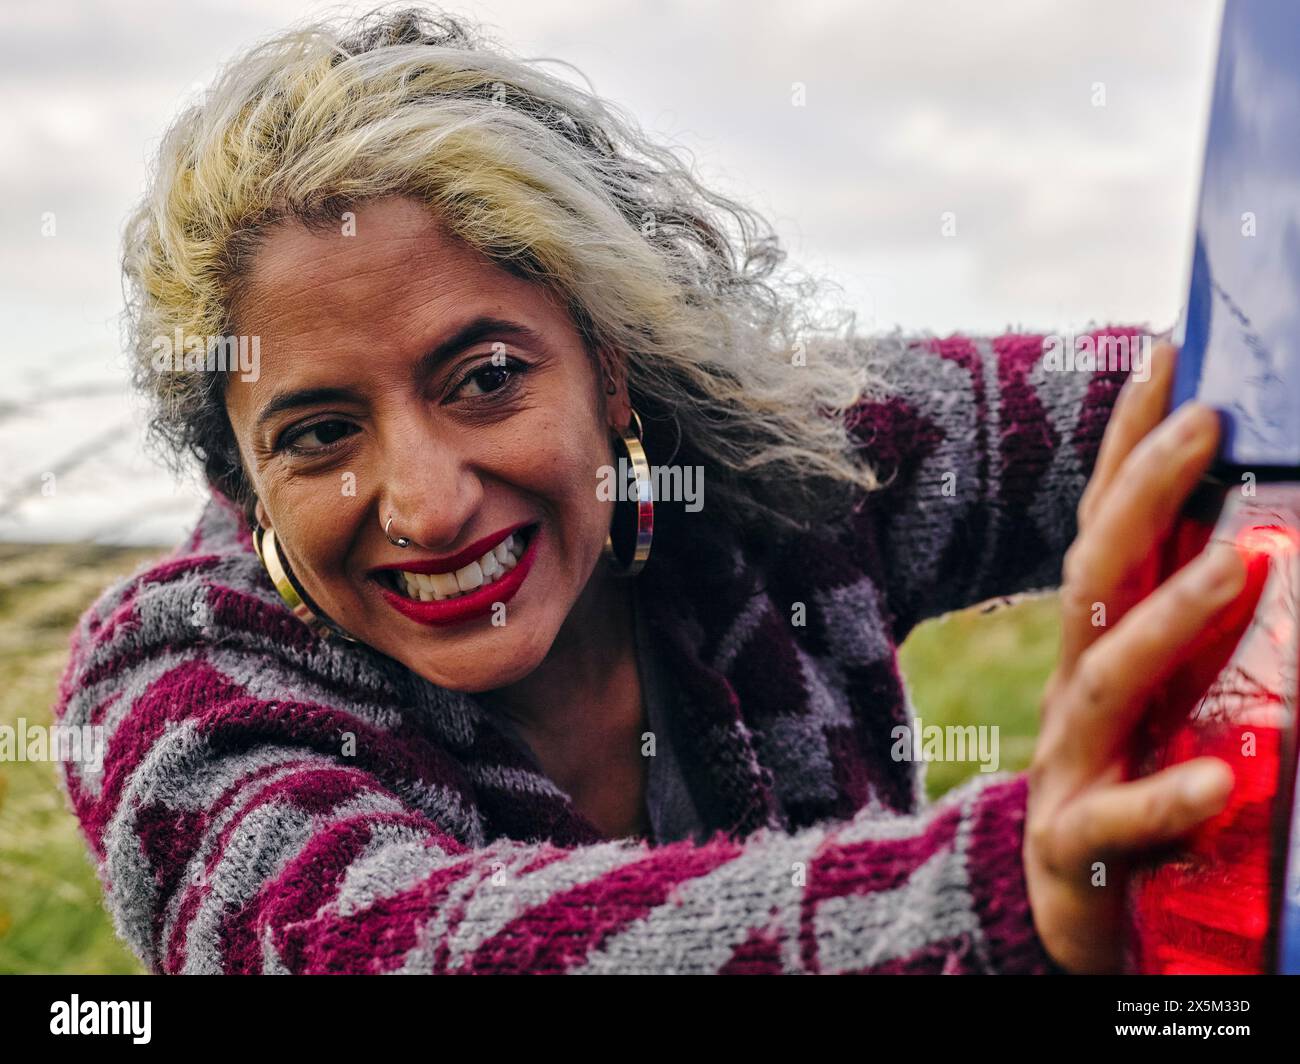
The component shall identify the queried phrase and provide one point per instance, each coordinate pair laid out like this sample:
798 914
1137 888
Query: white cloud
1066 211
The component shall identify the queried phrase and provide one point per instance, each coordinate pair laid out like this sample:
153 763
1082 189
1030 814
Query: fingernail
1189 422
1206 782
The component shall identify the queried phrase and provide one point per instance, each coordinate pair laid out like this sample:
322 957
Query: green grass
966 668
52 917
978 668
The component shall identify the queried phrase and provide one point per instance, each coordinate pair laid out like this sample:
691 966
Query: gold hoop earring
289 590
645 507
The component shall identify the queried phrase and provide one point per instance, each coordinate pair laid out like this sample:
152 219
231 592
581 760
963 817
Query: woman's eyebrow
305 397
477 329
472 332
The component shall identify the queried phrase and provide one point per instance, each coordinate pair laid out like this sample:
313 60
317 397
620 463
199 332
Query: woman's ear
618 408
263 518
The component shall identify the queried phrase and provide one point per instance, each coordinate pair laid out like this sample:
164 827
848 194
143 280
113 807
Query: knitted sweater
273 802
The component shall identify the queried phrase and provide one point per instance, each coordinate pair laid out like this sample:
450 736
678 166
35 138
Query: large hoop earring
288 588
645 507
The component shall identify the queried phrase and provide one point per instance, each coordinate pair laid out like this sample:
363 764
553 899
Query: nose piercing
400 541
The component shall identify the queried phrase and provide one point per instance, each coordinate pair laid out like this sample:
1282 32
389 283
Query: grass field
967 668
52 918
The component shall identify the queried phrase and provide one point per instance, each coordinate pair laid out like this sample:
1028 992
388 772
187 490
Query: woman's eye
318 437
487 379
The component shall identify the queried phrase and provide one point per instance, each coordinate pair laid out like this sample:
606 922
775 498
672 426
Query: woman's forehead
332 309
399 285
389 253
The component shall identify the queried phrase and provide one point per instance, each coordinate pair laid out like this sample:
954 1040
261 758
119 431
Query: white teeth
508 551
434 587
470 577
444 584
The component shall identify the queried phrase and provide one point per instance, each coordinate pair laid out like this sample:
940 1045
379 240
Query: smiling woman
395 704
460 403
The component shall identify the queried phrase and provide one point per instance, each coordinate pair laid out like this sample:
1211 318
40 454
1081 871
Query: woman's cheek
588 515
317 530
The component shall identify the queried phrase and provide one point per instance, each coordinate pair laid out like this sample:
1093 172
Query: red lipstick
451 562
475 603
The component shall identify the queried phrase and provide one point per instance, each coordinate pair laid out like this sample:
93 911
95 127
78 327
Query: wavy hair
683 285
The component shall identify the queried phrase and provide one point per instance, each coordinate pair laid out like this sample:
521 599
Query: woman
428 689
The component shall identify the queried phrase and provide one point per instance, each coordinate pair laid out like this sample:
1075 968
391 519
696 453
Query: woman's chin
472 680
500 661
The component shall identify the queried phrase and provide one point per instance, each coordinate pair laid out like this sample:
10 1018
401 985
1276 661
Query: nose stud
400 541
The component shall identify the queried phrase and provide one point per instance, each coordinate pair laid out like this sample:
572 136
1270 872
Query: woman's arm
237 829
986 446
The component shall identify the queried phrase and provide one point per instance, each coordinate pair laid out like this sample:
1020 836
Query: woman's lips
472 604
450 564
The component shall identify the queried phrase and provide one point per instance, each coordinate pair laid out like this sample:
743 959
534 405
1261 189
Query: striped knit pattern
272 802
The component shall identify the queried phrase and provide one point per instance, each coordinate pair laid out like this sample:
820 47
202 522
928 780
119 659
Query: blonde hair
546 179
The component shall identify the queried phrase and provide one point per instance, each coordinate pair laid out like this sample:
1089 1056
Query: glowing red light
1272 540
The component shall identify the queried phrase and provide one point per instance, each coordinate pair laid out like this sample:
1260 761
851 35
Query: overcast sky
1065 137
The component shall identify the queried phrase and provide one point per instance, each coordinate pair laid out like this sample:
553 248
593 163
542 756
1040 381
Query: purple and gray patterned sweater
272 802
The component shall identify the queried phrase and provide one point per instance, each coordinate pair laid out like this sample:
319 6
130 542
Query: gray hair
682 284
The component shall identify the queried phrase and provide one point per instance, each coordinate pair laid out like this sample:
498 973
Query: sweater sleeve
984 446
256 812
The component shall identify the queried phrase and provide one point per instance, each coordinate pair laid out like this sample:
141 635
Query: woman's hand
1081 811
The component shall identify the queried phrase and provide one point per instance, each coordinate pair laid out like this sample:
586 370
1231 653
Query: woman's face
402 373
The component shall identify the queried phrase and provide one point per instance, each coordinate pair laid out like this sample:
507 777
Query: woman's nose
431 495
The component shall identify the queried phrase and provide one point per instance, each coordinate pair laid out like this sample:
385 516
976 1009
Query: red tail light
1214 904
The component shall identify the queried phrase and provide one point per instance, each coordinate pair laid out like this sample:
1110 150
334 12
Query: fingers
1213 648
1105 562
1115 677
1154 811
1140 407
